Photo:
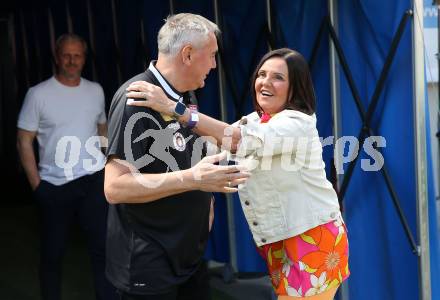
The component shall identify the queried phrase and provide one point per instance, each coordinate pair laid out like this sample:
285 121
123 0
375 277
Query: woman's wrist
193 119
170 108
184 119
187 116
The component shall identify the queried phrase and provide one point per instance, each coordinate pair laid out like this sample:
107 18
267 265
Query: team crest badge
179 141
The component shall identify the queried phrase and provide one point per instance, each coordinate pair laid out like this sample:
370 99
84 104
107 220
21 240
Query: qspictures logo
254 151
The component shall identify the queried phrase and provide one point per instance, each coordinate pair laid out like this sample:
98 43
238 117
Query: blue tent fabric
239 62
380 252
381 258
241 66
377 241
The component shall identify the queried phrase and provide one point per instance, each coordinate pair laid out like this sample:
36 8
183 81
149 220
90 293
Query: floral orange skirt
310 263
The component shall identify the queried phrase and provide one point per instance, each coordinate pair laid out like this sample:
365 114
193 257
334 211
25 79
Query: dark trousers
195 288
82 200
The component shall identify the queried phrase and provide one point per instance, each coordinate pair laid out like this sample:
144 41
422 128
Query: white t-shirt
65 119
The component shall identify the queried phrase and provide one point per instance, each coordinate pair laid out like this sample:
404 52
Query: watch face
180 109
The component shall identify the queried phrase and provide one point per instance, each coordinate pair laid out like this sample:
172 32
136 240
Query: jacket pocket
270 215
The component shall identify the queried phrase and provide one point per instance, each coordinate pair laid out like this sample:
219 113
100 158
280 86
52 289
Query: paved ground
19 248
19 257
257 288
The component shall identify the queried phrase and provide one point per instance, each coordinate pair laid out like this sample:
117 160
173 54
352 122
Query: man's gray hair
182 29
69 37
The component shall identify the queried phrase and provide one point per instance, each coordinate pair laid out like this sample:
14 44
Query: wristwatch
194 116
179 110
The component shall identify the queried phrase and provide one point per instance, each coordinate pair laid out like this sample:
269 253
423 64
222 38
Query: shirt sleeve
102 118
281 135
29 117
114 123
126 123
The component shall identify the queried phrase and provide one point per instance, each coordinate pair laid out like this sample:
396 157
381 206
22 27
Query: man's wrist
189 180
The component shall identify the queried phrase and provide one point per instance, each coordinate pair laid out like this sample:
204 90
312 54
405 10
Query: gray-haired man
160 193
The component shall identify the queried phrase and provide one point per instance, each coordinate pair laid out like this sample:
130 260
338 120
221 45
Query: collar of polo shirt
164 83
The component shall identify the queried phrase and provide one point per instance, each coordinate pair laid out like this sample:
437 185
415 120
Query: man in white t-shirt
66 114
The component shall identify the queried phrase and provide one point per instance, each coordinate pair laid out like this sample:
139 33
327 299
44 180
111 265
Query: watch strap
194 116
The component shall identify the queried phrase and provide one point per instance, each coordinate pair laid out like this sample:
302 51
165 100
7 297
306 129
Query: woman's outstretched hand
149 95
210 176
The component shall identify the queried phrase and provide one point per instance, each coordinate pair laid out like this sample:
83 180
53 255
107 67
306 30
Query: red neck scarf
265 117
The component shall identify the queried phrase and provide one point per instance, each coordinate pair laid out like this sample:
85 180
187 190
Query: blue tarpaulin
381 259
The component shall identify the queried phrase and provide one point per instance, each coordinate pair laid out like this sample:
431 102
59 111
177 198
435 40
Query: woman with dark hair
301 95
291 208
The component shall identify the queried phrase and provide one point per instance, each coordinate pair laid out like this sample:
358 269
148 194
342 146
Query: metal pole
224 116
269 15
269 22
171 3
436 3
334 84
144 43
420 151
336 107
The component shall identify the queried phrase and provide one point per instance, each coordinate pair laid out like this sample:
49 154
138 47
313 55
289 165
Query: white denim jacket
288 192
